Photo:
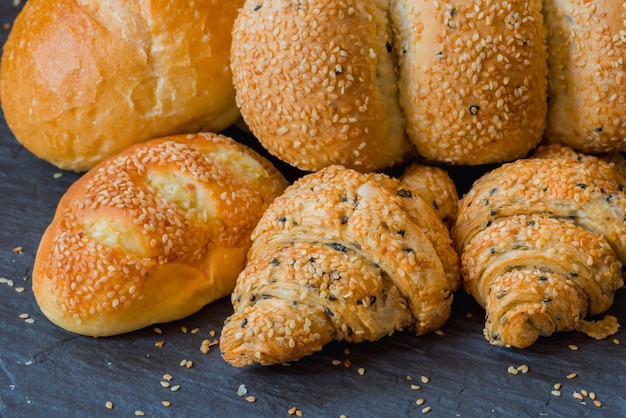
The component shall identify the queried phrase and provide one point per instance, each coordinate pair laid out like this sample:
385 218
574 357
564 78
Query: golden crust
473 78
316 83
336 256
587 51
555 218
152 234
82 81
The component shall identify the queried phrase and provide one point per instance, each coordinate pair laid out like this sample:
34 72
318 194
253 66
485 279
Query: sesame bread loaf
341 255
473 77
83 80
542 243
352 82
152 234
316 84
587 54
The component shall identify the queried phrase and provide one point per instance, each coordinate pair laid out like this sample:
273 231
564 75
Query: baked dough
152 234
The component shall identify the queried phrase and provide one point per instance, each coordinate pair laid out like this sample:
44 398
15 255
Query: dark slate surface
48 372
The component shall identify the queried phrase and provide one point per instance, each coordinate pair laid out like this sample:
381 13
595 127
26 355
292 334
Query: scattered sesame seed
195 330
299 413
165 383
571 376
555 392
292 410
175 388
573 347
409 378
158 330
18 250
416 387
336 362
592 396
347 363
167 376
212 333
139 413
597 403
420 401
250 399
159 344
426 410
184 329
23 316
19 289
57 175
361 371
166 403
109 404
346 351
182 363
616 341
29 320
439 332
557 386
584 392
578 396
424 379
242 390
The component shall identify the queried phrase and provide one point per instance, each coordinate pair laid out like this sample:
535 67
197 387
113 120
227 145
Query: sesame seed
19 289
361 371
167 376
242 390
426 410
513 370
439 332
573 347
616 341
195 330
166 403
420 401
159 344
557 386
555 392
23 316
18 250
250 399
336 362
424 379
571 376
584 392
175 388
158 330
292 410
597 403
57 175
416 387
165 383
29 320
578 396
139 413
109 404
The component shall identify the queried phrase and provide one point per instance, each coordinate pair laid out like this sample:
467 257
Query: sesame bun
587 53
152 234
542 244
473 78
316 83
340 255
82 81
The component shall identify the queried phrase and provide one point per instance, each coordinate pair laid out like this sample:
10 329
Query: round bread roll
84 80
473 78
316 83
153 234
587 49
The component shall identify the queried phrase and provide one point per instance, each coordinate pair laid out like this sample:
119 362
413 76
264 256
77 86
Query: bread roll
152 234
587 50
473 77
83 80
340 255
316 82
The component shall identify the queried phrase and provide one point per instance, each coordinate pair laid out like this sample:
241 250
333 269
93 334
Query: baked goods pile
164 223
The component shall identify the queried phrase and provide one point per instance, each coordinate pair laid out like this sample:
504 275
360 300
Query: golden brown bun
340 255
82 81
316 83
587 55
152 234
473 78
542 243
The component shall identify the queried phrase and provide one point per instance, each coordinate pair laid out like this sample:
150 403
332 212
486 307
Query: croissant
340 255
542 241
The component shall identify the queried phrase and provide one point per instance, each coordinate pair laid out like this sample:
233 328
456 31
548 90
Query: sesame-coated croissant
542 242
341 255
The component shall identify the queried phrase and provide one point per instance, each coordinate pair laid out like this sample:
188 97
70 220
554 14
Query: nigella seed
256 7
339 247
453 12
543 278
573 274
401 232
493 191
500 295
344 220
492 250
388 45
282 219
405 193
581 185
408 250
275 262
435 205
331 298
329 312
493 212
244 322
350 331
598 129
372 300
547 300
